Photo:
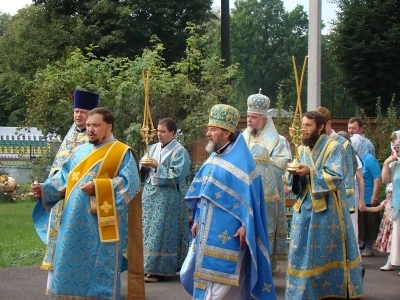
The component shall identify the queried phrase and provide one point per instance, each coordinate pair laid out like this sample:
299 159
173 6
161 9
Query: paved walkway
29 283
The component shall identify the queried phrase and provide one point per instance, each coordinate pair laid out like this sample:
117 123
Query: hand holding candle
36 189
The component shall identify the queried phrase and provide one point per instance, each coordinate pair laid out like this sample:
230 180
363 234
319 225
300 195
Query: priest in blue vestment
351 166
47 222
97 181
232 259
165 214
323 257
271 157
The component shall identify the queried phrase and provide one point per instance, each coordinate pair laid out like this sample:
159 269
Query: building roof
19 133
16 141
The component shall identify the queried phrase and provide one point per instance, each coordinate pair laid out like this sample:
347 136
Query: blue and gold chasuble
165 214
73 139
47 222
350 170
84 266
323 255
228 191
271 157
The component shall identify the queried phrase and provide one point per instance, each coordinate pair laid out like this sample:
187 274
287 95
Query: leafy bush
384 126
21 193
6 198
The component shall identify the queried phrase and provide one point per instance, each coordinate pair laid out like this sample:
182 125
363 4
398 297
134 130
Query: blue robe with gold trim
72 139
84 267
46 222
349 171
323 256
271 156
165 214
228 191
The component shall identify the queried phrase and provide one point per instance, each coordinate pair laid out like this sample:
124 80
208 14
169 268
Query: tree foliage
28 43
184 91
333 90
124 28
44 33
4 20
263 39
385 125
366 38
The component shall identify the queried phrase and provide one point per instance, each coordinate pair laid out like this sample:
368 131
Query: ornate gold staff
296 131
147 132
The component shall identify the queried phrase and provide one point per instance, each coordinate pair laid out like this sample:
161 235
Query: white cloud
12 6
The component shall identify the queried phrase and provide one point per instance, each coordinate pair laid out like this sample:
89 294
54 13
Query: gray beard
211 147
253 131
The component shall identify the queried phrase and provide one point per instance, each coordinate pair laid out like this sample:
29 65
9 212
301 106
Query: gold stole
318 201
106 208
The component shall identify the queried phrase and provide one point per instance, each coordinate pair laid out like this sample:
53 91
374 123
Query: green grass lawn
19 243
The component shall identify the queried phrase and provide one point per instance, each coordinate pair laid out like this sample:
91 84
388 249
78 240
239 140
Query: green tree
28 42
4 20
333 90
44 33
9 80
384 126
366 38
185 91
264 38
124 28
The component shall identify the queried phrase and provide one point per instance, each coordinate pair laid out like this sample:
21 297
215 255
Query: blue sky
328 9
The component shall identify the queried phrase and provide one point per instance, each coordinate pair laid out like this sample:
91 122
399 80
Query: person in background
359 202
384 239
47 222
368 222
97 181
271 156
165 215
287 144
356 126
393 137
230 229
391 174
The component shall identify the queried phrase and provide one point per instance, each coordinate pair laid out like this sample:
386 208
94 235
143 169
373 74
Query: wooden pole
136 288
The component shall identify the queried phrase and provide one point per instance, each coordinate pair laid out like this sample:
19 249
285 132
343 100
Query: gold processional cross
296 131
147 132
136 286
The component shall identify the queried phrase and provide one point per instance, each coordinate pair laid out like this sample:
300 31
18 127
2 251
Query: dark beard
94 142
310 141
